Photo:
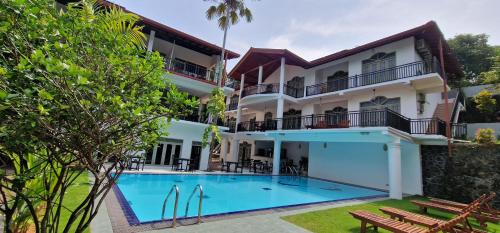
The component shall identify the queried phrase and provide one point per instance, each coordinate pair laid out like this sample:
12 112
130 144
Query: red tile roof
169 30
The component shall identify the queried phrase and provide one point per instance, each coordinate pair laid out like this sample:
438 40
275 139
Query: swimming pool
143 194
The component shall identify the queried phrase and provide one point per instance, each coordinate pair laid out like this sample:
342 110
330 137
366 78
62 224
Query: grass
339 220
73 197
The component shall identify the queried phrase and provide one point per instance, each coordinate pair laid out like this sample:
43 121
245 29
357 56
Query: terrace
373 118
190 70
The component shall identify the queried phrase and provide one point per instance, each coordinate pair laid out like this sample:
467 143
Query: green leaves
45 95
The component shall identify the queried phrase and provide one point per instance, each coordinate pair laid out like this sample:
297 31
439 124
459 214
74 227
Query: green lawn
339 220
73 198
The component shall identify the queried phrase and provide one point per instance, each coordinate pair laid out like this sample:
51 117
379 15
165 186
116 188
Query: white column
279 111
282 75
235 148
276 157
223 149
205 152
186 149
153 159
238 111
260 75
252 149
151 40
395 176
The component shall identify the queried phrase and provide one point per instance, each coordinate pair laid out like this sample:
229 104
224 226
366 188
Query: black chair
223 166
175 164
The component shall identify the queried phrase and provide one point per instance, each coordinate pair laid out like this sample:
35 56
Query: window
337 81
381 102
378 68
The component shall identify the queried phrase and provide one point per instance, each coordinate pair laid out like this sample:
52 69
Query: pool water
145 193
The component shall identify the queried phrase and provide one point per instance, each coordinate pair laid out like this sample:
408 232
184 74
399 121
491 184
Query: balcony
190 70
381 76
374 118
272 88
232 106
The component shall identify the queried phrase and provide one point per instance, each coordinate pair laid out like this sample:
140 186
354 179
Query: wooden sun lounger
486 208
402 227
480 216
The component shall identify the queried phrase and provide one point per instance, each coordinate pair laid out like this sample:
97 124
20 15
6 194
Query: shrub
485 136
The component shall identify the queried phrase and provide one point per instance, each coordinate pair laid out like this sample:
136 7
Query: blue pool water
145 193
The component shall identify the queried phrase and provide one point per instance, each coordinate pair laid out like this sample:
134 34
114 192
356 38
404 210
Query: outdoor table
181 162
235 166
138 160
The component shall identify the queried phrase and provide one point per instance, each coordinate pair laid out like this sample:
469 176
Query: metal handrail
174 219
199 187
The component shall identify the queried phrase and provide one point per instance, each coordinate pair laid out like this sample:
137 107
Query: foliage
484 102
77 88
492 76
474 53
216 107
228 12
486 136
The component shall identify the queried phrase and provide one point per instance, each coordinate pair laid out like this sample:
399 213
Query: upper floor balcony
372 118
272 88
380 76
191 70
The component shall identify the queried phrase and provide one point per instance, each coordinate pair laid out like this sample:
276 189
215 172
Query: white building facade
190 64
357 116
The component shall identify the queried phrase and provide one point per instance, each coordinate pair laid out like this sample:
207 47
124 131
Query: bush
485 136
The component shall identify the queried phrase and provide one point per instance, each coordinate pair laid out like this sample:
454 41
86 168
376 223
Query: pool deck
111 217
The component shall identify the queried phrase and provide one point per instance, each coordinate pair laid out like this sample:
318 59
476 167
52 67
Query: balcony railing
190 69
232 106
372 118
261 89
385 75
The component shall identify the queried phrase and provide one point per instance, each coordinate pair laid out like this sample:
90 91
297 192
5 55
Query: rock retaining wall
471 171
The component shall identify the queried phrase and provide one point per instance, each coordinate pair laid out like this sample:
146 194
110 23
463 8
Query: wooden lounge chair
486 208
457 224
479 215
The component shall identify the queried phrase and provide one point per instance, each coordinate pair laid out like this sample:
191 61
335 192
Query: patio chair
457 224
486 208
223 165
413 218
481 216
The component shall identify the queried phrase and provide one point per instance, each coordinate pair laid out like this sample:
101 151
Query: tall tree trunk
221 62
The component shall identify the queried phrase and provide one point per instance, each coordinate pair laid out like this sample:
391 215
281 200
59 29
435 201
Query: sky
316 28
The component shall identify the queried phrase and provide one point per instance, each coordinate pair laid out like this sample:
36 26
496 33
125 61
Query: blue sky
315 28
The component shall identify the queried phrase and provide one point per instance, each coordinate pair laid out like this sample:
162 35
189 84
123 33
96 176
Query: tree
485 103
474 53
77 89
492 76
227 12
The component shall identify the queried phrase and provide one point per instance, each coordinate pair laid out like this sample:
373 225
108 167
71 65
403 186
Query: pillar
282 75
261 70
395 176
205 152
238 111
279 111
276 157
186 149
235 149
252 149
223 149
151 40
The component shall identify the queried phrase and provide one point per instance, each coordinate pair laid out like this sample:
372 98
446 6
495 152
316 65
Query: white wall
431 101
290 72
364 164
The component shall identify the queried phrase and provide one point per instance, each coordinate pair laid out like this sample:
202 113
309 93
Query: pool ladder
174 219
200 188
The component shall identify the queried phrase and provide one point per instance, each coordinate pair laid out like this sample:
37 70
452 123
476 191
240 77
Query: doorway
164 153
195 155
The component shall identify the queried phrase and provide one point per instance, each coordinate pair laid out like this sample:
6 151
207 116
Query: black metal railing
380 76
232 106
190 69
293 91
261 89
374 118
428 126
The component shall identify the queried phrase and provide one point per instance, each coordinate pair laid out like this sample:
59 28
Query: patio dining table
236 166
183 164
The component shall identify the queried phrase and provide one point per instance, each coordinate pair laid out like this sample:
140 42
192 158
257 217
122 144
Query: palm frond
222 22
211 12
121 23
234 18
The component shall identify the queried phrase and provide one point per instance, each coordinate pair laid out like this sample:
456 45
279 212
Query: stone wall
471 171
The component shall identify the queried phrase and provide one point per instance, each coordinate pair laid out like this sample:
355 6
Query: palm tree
227 12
